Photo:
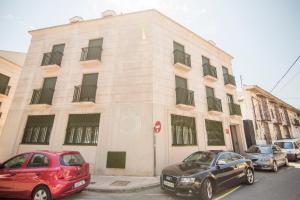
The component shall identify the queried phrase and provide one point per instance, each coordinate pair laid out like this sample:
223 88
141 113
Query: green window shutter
210 91
96 42
215 134
180 82
90 79
3 83
178 46
205 60
58 48
225 70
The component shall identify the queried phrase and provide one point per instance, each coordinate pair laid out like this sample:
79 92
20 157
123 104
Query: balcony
235 109
214 105
296 122
182 60
4 90
91 56
52 61
85 94
210 72
42 96
184 98
229 80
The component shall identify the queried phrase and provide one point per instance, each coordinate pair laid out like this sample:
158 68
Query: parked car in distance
291 147
266 157
43 175
204 173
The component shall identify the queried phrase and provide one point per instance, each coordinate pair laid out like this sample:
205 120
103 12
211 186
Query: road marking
228 193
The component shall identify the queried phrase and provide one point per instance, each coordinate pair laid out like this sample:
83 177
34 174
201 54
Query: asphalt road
268 186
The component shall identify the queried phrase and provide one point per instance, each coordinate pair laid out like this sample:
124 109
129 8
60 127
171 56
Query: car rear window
71 160
285 145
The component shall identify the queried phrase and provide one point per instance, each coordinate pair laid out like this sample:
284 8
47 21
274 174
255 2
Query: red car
43 175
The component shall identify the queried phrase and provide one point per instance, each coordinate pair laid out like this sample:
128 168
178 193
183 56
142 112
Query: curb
124 190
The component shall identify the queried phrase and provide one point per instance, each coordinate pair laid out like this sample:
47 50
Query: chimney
108 13
75 19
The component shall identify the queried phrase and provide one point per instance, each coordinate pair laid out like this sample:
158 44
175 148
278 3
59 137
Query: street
268 186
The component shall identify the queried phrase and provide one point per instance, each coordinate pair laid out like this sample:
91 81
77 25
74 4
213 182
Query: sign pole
154 153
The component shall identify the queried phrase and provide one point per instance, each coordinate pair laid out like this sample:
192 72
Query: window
38 160
4 88
215 134
71 159
38 129
225 70
83 129
178 46
226 157
87 90
235 156
16 162
183 130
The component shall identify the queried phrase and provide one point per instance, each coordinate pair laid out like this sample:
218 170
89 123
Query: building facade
10 69
98 86
266 117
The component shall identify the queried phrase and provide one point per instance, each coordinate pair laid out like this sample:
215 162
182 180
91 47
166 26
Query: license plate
169 184
80 183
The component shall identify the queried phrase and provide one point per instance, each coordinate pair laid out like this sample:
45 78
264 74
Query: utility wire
289 81
285 74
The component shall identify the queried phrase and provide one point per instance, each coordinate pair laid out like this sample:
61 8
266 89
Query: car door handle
38 174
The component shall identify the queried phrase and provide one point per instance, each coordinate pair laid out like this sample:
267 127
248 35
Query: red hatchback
43 175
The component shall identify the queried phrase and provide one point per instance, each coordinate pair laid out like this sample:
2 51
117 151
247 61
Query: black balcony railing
235 109
84 93
296 122
4 89
214 104
185 96
42 96
182 57
229 79
209 70
52 58
91 53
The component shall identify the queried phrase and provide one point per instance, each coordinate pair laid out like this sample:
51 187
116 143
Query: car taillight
60 174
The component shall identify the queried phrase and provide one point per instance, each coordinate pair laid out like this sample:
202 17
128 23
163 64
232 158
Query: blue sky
262 35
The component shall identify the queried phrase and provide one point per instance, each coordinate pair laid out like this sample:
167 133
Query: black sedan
266 157
204 173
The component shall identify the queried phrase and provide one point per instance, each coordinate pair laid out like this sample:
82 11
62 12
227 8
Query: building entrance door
234 138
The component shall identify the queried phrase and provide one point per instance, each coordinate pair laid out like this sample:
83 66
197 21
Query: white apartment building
10 69
98 86
266 117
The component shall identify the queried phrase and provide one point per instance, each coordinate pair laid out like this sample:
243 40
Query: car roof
54 152
286 140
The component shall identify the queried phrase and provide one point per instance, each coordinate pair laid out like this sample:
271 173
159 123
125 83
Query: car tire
206 191
41 191
275 167
295 158
249 176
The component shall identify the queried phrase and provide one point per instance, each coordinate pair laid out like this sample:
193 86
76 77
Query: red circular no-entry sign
157 127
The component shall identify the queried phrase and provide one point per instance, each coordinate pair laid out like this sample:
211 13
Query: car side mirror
221 162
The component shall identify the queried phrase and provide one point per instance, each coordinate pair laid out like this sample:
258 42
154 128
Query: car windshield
71 160
285 145
260 149
201 157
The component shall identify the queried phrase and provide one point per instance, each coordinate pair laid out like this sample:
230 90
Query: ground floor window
38 129
215 134
83 129
183 130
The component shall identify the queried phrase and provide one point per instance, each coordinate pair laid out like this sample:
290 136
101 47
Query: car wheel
41 193
206 190
275 167
249 177
295 158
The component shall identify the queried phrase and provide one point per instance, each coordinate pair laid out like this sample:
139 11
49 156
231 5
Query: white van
291 147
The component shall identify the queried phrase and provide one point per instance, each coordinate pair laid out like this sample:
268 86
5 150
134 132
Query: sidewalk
121 183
